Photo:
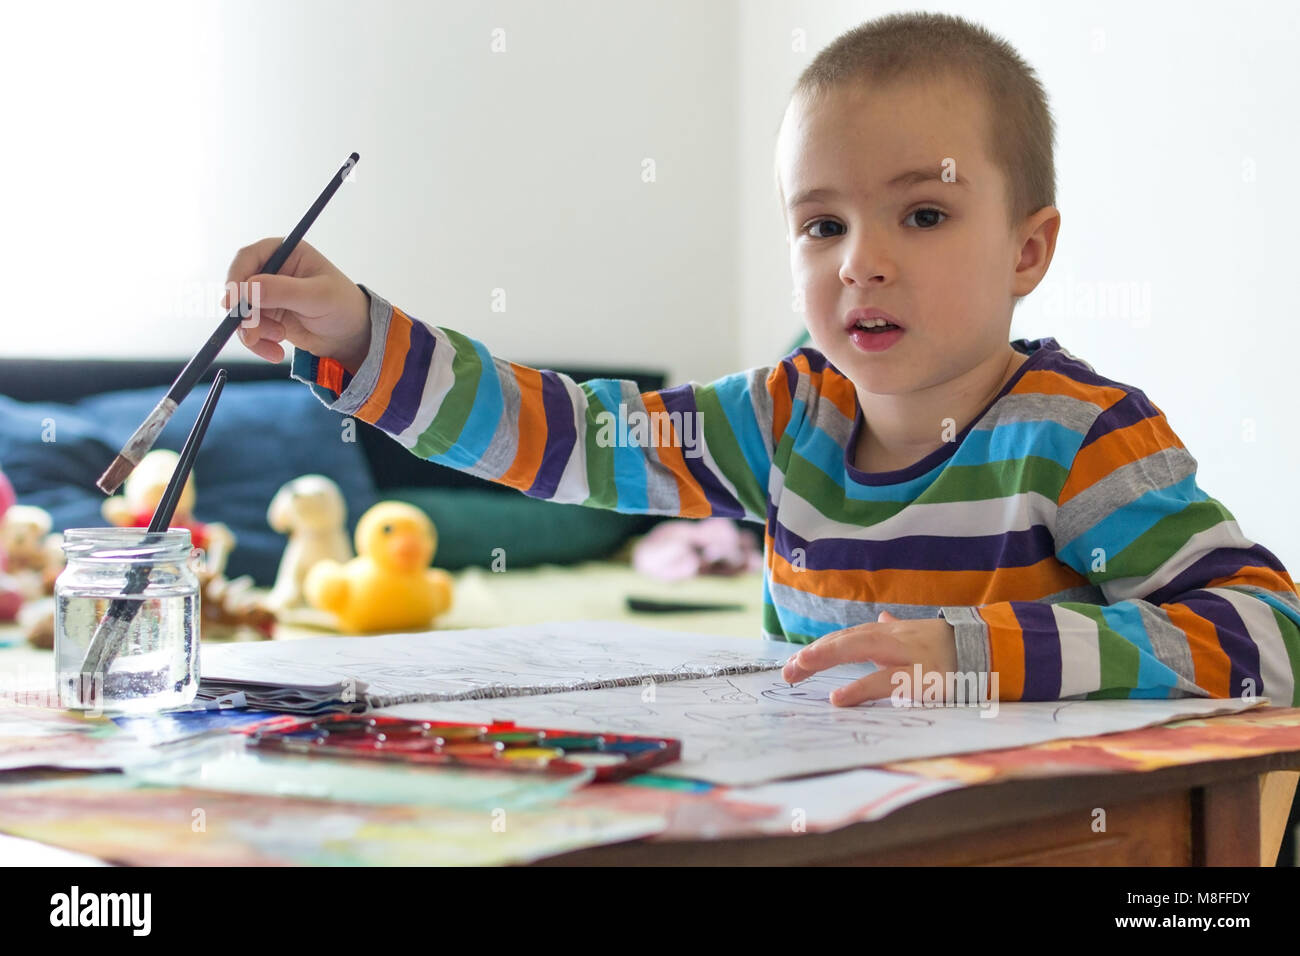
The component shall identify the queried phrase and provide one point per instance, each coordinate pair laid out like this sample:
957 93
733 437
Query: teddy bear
33 554
143 491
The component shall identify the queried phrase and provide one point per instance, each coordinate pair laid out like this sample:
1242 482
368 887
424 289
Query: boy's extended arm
1196 608
690 451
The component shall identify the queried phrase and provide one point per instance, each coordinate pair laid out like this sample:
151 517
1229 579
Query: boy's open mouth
872 330
870 320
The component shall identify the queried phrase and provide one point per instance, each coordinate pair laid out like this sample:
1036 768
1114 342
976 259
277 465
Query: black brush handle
122 611
203 359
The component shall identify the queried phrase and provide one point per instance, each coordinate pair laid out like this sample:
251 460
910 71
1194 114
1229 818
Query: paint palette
501 745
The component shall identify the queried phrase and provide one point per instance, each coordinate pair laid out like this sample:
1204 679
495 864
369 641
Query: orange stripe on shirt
1120 447
1251 574
778 387
690 496
530 445
906 586
1054 383
841 393
1006 649
329 372
396 346
1210 663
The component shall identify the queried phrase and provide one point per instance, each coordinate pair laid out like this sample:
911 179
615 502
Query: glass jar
126 620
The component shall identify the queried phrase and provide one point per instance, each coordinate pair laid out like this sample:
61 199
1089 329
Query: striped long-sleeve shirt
1062 532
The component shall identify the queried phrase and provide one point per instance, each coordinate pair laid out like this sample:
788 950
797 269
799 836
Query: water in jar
156 664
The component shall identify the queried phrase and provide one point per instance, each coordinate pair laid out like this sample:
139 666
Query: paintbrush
114 625
140 443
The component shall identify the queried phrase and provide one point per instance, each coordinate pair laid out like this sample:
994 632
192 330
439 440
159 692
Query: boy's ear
1036 249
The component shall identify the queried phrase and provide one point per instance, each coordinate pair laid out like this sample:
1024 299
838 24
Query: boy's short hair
924 46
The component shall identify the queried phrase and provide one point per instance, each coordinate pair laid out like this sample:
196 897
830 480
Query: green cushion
801 340
472 524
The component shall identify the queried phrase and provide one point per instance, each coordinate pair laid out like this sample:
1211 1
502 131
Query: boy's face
947 276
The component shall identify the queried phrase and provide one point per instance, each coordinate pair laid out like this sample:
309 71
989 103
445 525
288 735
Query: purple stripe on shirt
1014 549
816 360
1234 638
1219 563
1043 656
561 435
1132 408
404 403
680 400
1054 360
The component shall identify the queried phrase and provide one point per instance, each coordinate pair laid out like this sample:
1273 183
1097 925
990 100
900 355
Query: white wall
148 141
1176 129
144 142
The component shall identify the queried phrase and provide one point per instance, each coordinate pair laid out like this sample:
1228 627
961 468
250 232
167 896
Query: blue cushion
261 435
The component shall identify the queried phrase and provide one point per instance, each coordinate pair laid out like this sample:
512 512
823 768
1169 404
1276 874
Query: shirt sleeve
690 451
1194 608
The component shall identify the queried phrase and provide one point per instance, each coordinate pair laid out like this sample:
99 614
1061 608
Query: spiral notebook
352 674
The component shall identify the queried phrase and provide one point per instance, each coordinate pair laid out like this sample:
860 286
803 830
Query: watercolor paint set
501 745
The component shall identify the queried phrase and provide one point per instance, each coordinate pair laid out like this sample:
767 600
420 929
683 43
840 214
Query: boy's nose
866 260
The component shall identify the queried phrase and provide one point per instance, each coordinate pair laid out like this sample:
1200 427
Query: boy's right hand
309 303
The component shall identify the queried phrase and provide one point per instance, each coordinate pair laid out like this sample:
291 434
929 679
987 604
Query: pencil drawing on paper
724 698
752 728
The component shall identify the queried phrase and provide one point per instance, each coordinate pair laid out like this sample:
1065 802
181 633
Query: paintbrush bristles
115 474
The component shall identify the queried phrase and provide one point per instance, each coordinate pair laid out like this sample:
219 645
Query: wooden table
1216 813
1221 812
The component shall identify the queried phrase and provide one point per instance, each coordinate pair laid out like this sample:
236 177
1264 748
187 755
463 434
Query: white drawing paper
475 663
739 722
749 729
834 800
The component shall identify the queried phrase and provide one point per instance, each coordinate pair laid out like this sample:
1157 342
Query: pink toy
11 599
7 496
674 550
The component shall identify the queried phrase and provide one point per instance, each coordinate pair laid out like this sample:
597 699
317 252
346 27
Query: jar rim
125 544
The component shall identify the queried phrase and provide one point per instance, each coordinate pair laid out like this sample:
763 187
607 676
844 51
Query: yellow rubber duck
389 585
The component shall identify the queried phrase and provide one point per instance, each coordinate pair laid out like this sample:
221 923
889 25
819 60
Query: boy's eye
928 211
928 223
820 222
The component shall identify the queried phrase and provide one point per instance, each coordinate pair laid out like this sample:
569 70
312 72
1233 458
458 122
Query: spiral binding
492 691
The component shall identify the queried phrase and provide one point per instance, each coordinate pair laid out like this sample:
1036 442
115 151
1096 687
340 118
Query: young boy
932 493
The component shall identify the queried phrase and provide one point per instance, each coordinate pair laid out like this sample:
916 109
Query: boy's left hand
892 643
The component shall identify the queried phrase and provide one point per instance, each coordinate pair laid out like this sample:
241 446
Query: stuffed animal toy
311 511
389 585
143 490
227 606
11 595
40 632
674 550
23 530
32 553
7 497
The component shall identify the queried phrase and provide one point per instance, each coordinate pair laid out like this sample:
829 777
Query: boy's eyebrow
904 179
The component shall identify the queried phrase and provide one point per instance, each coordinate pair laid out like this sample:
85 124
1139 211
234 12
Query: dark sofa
62 422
